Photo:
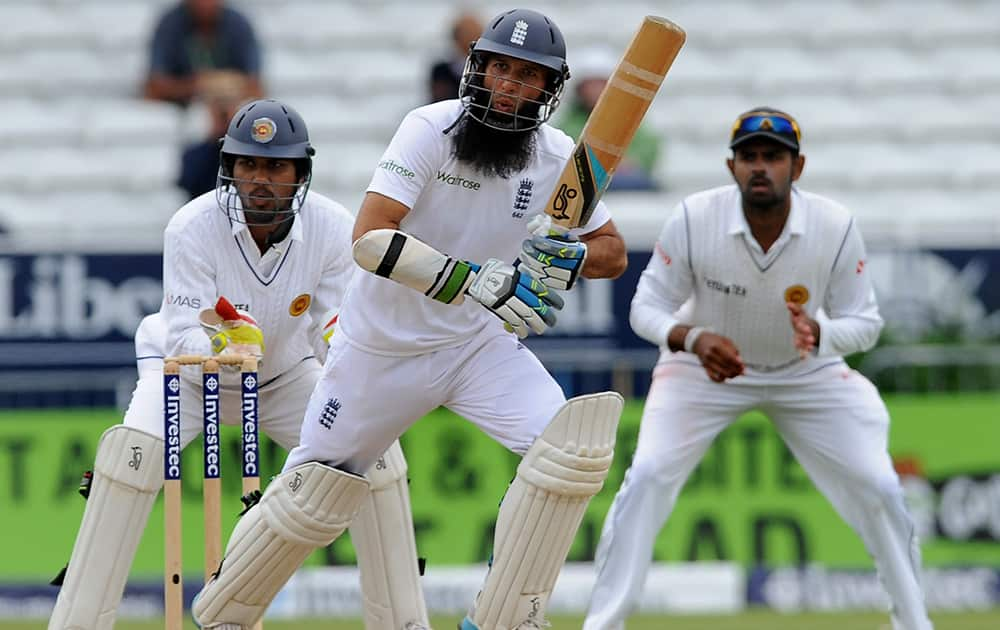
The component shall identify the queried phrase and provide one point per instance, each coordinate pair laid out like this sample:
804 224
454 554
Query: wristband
691 337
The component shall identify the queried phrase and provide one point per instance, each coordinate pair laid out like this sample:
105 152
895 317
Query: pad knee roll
303 509
543 508
383 537
128 473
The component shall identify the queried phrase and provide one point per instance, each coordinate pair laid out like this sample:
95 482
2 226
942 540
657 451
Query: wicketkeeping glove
232 331
552 253
516 297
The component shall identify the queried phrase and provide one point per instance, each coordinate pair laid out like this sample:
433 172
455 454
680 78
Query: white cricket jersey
458 211
706 256
290 290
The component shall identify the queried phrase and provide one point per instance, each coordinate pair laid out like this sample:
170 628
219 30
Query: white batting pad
382 535
302 509
542 510
128 473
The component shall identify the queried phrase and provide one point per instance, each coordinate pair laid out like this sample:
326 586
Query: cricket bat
613 123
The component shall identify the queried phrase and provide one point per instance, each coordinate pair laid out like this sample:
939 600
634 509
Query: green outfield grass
951 434
756 620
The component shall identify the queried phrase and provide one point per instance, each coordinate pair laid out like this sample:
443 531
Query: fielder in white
422 328
281 252
776 294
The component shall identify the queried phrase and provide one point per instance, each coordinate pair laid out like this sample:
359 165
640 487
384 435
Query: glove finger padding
516 297
556 260
539 297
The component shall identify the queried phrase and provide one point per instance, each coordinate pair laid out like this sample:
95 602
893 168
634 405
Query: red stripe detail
666 258
228 312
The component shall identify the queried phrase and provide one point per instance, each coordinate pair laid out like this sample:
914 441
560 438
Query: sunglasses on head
767 122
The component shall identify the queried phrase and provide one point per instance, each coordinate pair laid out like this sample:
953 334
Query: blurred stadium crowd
897 100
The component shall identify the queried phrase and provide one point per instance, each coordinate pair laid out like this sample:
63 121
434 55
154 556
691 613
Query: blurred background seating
897 100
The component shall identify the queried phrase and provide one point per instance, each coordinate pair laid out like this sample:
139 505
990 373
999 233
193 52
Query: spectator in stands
591 70
192 41
446 73
223 93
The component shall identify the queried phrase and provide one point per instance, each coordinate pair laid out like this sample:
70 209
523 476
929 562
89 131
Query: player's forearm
606 257
651 318
188 287
409 261
658 297
184 333
378 212
676 336
843 336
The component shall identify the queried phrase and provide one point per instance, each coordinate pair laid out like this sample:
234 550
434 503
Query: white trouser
365 401
832 420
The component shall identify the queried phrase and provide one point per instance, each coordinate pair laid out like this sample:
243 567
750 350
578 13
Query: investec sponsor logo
455 180
210 394
249 406
398 169
172 427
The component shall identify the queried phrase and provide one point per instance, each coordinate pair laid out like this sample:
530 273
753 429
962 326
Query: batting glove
552 254
516 297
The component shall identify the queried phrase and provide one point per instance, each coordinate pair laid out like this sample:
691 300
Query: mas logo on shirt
182 300
299 305
797 294
523 198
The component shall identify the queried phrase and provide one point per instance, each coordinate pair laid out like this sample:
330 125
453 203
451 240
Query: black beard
492 152
766 204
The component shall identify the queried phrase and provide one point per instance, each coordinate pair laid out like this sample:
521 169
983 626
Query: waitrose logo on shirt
455 180
398 169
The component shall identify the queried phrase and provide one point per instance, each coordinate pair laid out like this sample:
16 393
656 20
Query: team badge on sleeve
299 305
797 294
263 130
